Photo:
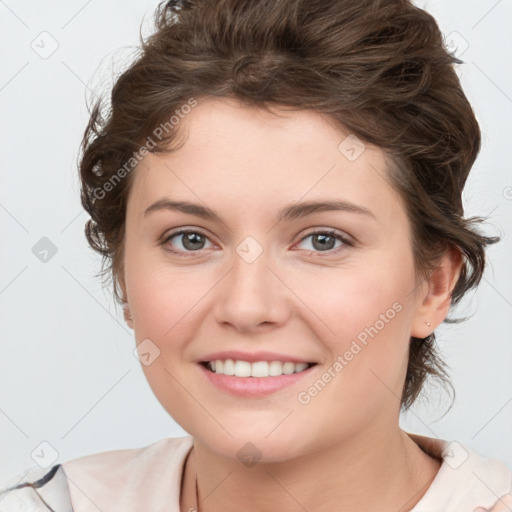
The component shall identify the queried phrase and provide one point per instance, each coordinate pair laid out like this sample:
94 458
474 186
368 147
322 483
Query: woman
277 193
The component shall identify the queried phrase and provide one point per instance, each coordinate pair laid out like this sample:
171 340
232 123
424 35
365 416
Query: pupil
190 239
322 245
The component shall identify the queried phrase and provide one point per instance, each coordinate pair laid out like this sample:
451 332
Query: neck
371 472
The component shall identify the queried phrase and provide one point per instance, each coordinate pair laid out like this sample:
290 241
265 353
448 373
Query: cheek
369 314
161 297
163 312
167 307
364 303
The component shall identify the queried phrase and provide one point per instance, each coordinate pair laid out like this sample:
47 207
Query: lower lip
253 386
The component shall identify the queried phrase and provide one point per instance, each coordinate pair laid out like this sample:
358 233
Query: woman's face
255 280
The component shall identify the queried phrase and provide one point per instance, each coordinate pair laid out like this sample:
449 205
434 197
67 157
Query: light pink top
149 478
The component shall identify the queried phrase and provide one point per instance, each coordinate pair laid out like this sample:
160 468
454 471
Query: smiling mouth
257 369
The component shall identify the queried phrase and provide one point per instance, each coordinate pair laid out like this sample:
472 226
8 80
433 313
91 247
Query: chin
256 445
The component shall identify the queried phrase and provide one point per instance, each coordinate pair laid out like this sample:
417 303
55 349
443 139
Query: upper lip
252 357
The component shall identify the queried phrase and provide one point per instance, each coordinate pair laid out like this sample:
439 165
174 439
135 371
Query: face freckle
255 286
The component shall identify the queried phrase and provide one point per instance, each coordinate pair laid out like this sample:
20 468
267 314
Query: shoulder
36 490
132 479
128 479
465 480
473 474
125 460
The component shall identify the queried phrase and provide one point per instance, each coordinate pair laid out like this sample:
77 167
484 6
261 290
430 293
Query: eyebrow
288 213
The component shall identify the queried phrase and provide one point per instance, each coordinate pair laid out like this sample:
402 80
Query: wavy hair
378 68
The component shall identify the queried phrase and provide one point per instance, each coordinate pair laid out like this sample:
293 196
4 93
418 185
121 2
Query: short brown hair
379 68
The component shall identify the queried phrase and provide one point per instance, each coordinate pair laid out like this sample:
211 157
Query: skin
343 450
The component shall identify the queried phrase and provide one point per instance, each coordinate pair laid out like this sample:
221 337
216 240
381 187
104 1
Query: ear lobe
128 315
126 308
437 302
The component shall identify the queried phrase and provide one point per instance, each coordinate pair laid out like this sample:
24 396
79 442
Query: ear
128 315
436 301
126 308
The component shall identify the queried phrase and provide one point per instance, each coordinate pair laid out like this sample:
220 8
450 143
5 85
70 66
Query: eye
193 240
324 240
190 241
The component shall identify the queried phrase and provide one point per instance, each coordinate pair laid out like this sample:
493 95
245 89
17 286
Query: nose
252 297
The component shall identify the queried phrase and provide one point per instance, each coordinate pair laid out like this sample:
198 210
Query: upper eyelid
344 237
184 231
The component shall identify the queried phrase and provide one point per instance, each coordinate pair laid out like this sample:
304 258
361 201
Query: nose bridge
251 277
251 294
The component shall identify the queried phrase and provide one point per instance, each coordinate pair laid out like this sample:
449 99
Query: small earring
428 323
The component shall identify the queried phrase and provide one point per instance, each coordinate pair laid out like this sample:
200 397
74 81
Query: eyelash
329 232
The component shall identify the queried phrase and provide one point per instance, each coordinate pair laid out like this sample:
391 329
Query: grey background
68 376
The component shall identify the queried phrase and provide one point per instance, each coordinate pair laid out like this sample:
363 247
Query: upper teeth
257 369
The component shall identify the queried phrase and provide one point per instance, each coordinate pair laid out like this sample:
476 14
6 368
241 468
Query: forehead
235 154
